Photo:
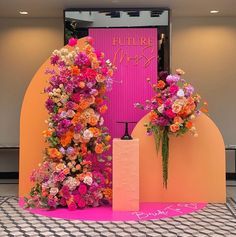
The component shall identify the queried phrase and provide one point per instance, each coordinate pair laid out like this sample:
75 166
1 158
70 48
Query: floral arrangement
75 172
172 111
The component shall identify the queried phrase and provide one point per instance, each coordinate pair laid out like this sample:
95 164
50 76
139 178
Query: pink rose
172 79
82 189
81 203
72 42
104 71
173 89
63 202
90 73
169 113
72 206
75 97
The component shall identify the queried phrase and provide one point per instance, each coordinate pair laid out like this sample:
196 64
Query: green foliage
165 155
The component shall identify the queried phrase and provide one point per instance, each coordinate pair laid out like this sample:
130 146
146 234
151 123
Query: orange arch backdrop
196 167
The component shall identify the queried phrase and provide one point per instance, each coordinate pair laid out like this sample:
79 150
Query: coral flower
66 139
99 148
153 116
108 138
178 120
84 104
103 109
76 118
174 127
161 84
75 71
93 121
48 133
81 84
100 78
96 132
189 124
98 100
54 153
176 108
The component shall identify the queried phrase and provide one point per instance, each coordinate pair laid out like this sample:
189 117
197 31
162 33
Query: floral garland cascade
75 172
172 110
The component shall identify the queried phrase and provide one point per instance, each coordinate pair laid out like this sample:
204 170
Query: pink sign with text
134 52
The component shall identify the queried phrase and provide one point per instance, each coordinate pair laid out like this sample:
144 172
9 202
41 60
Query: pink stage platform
148 211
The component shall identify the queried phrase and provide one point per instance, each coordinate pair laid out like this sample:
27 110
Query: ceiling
54 8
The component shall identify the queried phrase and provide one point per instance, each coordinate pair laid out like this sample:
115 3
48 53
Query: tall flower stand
125 175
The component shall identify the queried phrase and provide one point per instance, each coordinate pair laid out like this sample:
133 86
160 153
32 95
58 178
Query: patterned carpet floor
214 220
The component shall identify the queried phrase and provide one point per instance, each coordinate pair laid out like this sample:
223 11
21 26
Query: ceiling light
214 11
23 12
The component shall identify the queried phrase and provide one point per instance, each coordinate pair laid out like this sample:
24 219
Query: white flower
56 52
179 71
101 121
64 51
88 180
71 182
54 191
161 108
87 134
180 93
192 116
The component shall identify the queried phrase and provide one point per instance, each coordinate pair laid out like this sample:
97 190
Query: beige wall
206 49
24 45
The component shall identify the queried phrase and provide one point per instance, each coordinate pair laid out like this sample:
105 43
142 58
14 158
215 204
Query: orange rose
83 148
60 166
96 132
48 133
178 120
54 153
84 104
110 72
108 138
159 101
100 78
44 194
189 124
153 116
93 121
81 84
66 138
102 90
99 148
76 118
66 171
174 127
161 84
103 109
99 100
107 192
75 71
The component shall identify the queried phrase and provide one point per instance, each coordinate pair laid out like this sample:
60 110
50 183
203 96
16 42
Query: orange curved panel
32 123
196 166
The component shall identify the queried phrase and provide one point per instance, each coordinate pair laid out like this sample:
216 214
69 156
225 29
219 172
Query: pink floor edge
148 211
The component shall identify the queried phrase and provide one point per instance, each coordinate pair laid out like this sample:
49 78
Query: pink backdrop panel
134 52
